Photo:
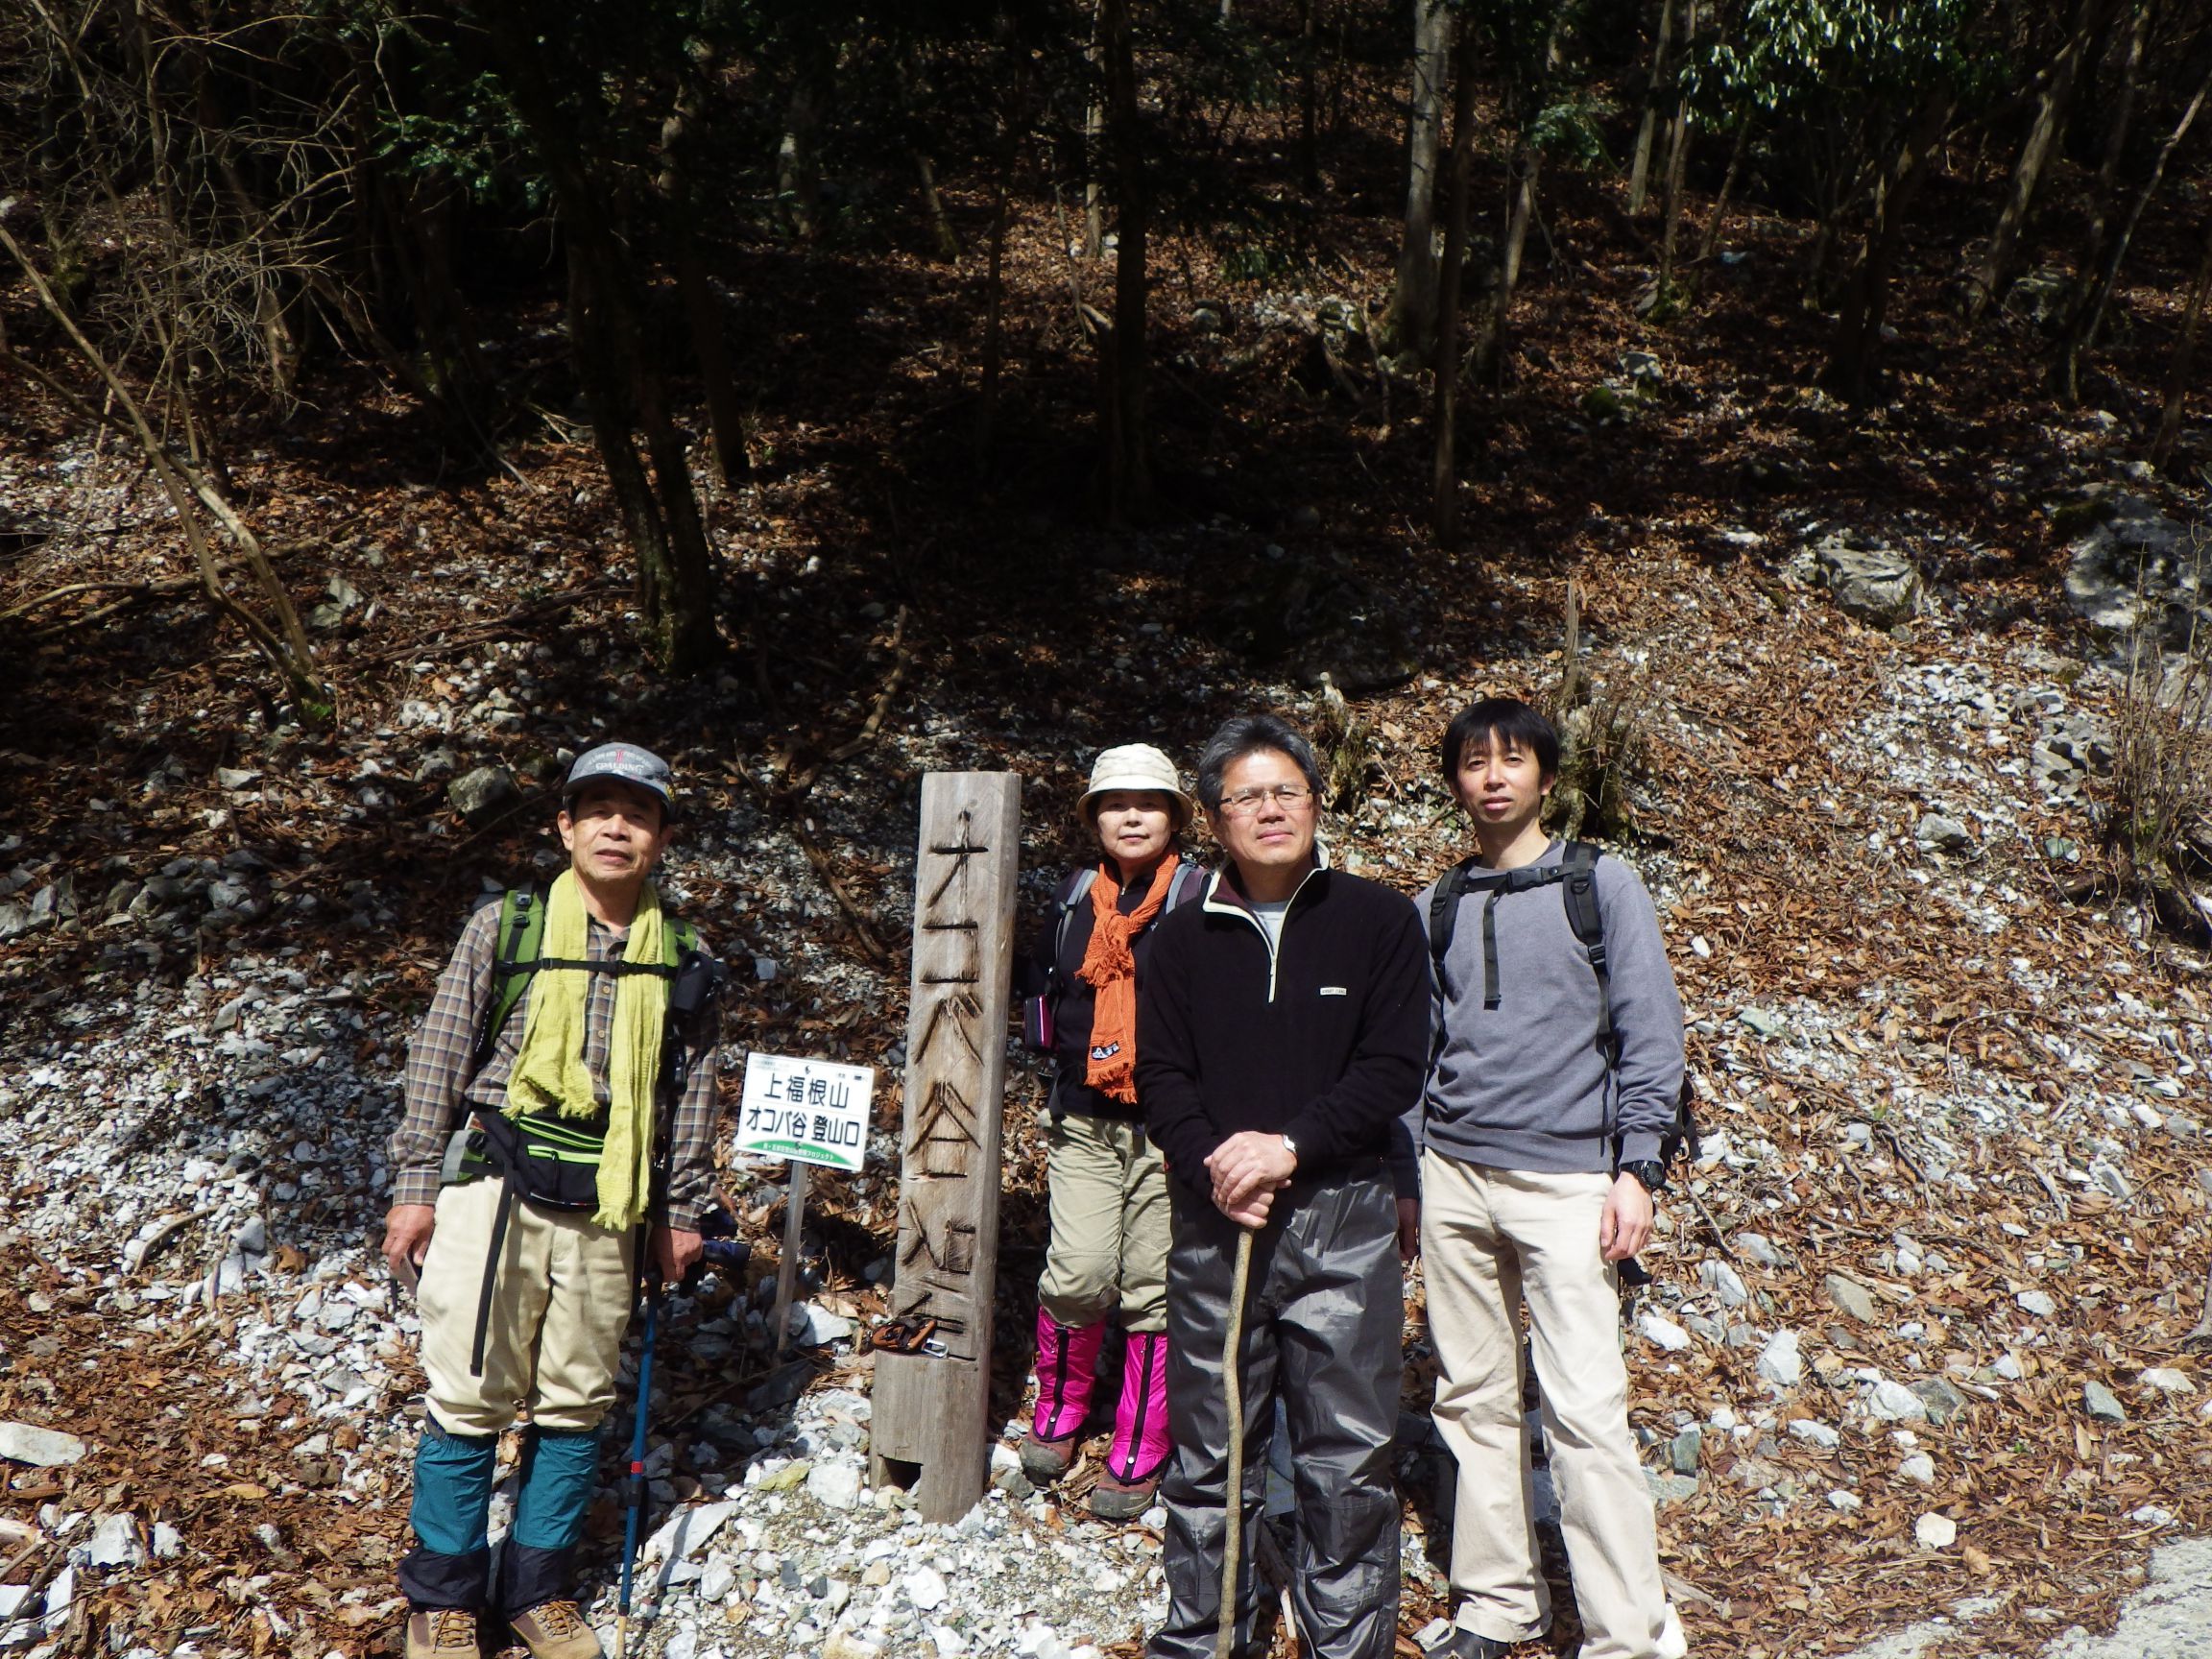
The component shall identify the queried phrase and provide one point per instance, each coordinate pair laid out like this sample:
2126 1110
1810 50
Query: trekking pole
1233 1495
636 1492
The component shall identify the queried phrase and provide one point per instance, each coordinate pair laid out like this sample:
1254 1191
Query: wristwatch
1289 1145
1648 1170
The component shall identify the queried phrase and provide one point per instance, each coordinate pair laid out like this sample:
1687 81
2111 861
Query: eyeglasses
1290 796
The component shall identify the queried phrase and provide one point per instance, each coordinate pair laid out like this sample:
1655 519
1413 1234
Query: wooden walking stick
1233 1495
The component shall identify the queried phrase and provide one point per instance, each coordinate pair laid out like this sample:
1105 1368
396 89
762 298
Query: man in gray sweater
1554 1071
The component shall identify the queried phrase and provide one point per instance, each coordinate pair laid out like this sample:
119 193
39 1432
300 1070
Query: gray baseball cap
625 763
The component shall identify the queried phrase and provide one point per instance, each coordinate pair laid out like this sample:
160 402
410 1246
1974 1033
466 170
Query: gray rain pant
1322 1331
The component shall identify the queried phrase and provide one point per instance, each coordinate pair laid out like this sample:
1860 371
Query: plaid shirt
440 1090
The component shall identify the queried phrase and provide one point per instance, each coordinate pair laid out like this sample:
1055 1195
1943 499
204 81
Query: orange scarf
1110 967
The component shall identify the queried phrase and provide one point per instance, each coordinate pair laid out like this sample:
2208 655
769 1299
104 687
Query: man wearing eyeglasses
1281 1029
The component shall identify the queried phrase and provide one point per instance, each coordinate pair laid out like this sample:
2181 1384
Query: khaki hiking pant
559 1307
1108 1191
1490 1239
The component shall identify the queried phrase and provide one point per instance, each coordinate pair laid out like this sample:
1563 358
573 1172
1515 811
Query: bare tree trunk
1994 274
1095 139
2125 97
944 240
2184 358
1853 360
701 311
1444 478
622 383
798 153
1125 368
1308 96
993 307
1412 325
1527 166
2088 319
1640 162
1677 160
1711 239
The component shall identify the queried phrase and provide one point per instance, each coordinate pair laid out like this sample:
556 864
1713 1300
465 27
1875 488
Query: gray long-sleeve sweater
1525 1086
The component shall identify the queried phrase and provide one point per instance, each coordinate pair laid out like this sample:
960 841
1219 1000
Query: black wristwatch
1648 1170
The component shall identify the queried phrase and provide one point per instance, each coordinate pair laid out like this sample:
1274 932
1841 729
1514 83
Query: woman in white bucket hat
1107 1258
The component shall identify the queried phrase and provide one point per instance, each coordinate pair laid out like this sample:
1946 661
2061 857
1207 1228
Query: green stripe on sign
806 1151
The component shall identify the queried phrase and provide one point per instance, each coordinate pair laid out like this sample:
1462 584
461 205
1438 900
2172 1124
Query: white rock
12 1598
1894 1403
1724 1282
717 1578
1919 1468
2038 1303
40 1448
1844 1501
926 1588
115 1543
1781 1363
682 1643
813 1327
834 1485
1935 1531
1815 1433
1662 1332
949 1642
59 1593
687 1531
2167 1380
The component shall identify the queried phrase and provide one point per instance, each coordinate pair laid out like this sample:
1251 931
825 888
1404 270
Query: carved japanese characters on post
931 1409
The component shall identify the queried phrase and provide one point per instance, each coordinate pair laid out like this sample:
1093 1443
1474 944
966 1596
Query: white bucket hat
1135 766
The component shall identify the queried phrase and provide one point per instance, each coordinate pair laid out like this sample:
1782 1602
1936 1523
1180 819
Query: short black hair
1505 719
1242 734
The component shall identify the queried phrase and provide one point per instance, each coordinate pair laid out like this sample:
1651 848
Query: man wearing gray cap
522 1173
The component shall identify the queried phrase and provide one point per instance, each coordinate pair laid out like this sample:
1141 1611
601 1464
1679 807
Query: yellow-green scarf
550 1070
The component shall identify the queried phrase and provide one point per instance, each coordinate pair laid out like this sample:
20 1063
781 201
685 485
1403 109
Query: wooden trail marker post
931 1430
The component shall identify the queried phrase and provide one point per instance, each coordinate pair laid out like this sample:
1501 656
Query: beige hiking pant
1490 1239
559 1307
1109 1206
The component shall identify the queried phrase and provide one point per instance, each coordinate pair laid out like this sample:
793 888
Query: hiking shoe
1465 1644
1044 1461
443 1633
1115 1499
556 1630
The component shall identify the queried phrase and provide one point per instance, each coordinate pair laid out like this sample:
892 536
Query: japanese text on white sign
810 1111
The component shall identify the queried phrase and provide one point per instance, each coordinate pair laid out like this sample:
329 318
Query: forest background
390 397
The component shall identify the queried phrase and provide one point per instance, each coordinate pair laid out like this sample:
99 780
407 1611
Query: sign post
930 1429
804 1111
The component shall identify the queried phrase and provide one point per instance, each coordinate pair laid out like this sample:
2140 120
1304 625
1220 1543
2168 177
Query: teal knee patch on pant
452 1489
560 1472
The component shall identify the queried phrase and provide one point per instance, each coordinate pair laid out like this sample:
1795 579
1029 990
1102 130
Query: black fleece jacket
1323 1039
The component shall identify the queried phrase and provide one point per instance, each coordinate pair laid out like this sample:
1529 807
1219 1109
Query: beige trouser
559 1307
1489 1239
1109 1244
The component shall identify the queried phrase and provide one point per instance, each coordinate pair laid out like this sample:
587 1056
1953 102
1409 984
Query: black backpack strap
1444 916
1188 877
1076 890
1578 880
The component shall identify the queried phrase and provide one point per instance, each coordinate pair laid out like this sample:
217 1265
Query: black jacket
1075 1002
1323 1040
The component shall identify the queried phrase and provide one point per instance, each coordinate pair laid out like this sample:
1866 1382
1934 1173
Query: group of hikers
1275 1083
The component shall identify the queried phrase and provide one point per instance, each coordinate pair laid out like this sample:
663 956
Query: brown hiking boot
443 1633
1045 1461
1115 1499
555 1631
